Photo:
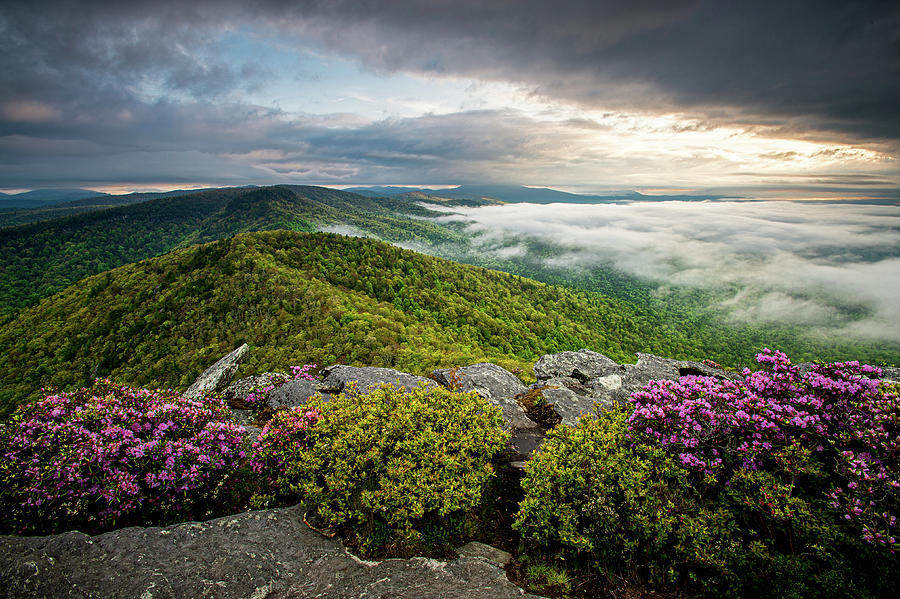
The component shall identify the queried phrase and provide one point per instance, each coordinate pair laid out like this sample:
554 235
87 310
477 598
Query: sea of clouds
807 263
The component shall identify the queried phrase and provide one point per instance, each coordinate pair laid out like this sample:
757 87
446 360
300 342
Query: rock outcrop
267 554
495 384
216 377
578 383
335 378
582 365
241 388
271 554
574 383
294 393
570 398
891 374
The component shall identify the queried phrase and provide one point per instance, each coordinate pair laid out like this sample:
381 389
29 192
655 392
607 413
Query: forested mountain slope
299 298
39 259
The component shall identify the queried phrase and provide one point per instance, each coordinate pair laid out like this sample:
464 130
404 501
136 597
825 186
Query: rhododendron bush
834 411
282 442
112 456
394 470
783 483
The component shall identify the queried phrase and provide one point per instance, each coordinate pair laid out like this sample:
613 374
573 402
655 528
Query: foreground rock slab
267 554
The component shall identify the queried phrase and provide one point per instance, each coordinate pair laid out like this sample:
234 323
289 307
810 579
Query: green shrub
619 507
397 471
544 577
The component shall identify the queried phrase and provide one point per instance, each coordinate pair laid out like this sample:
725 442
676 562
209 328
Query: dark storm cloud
240 144
801 64
90 75
830 65
70 50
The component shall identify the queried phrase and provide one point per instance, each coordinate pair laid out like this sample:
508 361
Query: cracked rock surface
584 382
269 554
216 377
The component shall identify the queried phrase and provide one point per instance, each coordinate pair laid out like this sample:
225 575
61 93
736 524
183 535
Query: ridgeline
300 297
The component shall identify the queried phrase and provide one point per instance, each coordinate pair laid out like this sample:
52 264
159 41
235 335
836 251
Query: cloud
29 112
242 143
274 147
802 64
563 93
799 65
776 306
782 261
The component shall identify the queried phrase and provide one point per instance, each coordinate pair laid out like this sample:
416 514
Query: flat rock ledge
269 554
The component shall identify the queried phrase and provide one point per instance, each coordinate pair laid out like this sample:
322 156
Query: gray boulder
582 365
293 393
288 392
335 378
492 555
217 376
890 374
571 399
607 386
524 442
495 384
647 368
243 417
688 367
577 383
240 389
267 554
653 368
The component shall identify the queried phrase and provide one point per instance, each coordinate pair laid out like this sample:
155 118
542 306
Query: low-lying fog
806 263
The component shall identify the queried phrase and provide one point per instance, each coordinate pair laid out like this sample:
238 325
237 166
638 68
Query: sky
761 99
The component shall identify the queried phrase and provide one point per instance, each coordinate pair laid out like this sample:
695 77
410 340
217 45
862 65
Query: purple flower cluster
837 411
281 439
110 455
257 397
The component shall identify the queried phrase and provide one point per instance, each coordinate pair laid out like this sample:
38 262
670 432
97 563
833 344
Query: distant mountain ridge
523 194
41 258
44 197
10 217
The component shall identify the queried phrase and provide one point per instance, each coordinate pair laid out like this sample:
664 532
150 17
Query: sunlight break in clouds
781 261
